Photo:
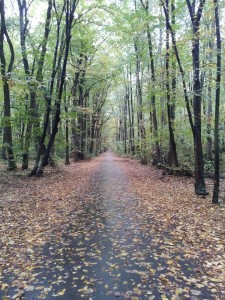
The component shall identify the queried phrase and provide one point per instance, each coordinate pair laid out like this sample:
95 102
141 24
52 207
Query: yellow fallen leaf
123 253
215 279
39 287
137 290
4 285
61 293
178 292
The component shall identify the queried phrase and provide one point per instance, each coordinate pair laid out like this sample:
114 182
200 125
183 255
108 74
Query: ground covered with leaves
109 228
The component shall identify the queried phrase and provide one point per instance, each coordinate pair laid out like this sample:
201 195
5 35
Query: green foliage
102 53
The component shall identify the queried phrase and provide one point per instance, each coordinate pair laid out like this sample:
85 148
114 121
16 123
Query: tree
6 74
172 155
215 198
197 97
32 80
152 85
69 15
57 58
130 109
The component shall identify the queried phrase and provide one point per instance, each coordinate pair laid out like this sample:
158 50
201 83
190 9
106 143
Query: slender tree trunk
162 82
141 127
138 83
131 140
31 86
153 115
132 113
153 97
57 57
75 96
67 150
172 155
70 10
187 101
200 188
125 122
33 109
196 126
5 74
92 142
209 142
215 198
81 114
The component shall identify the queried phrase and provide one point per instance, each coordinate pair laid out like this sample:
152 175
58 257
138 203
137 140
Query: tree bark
141 127
200 188
215 198
173 37
57 58
153 114
67 150
70 10
209 143
5 74
125 108
32 85
172 155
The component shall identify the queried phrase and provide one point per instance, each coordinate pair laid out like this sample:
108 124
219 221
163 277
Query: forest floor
109 228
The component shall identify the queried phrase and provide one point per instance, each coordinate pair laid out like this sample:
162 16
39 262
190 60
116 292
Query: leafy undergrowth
192 223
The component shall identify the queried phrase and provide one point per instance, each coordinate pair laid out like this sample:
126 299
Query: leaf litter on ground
178 226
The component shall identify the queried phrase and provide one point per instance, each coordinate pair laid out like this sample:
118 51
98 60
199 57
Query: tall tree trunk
125 121
81 126
57 58
215 198
141 127
132 133
196 125
209 142
67 150
129 109
70 10
200 188
172 155
184 85
5 74
153 115
32 86
75 96
153 96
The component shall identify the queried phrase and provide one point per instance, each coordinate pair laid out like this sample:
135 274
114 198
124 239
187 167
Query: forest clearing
110 228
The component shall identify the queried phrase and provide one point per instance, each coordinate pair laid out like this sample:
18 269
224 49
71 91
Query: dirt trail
114 229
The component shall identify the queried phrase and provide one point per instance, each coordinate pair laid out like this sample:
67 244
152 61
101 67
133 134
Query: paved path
107 252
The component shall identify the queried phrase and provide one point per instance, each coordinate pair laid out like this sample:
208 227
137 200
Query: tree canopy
140 77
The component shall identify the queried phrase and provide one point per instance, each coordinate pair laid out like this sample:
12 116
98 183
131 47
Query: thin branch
200 9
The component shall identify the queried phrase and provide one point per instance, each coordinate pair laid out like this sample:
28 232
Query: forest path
127 232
